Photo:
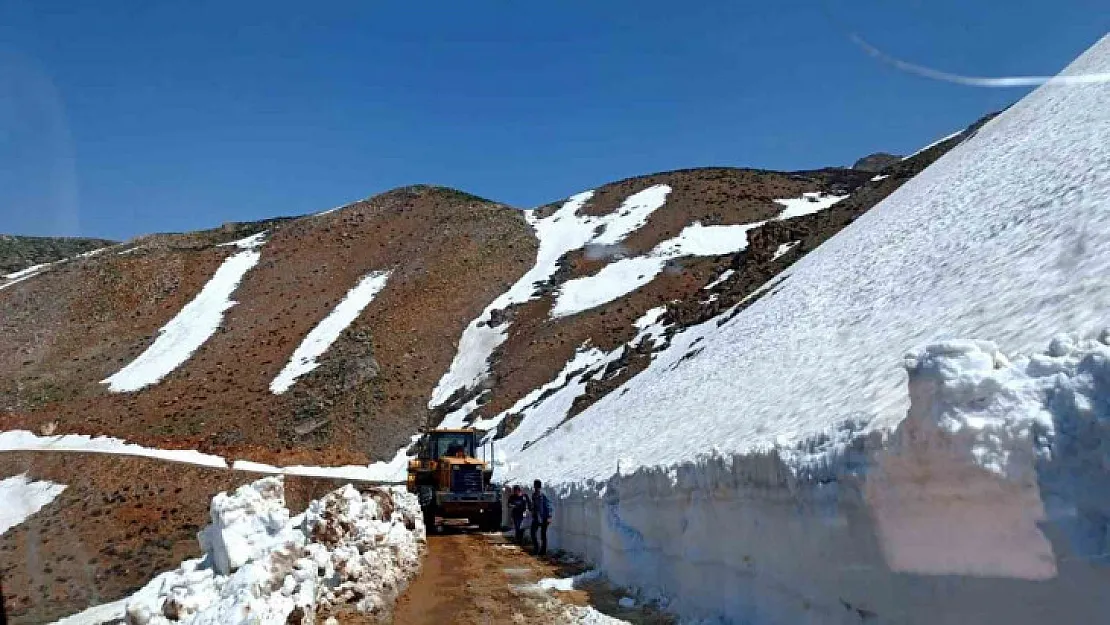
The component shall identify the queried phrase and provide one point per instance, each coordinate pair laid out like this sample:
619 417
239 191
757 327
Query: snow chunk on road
192 326
21 498
1006 236
628 274
352 548
561 232
327 331
808 204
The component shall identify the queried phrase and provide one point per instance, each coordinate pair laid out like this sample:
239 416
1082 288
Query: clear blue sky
121 118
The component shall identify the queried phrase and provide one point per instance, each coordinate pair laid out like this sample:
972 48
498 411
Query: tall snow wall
990 503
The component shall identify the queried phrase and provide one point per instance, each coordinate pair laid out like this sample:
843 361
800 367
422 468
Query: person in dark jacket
518 505
541 517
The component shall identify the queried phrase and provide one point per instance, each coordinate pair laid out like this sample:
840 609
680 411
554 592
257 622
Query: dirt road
482 579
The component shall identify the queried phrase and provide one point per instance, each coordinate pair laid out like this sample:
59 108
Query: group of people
538 505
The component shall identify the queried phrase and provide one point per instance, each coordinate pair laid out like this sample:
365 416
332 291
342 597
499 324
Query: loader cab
439 444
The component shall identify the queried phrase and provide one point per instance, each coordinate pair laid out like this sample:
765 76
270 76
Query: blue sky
121 118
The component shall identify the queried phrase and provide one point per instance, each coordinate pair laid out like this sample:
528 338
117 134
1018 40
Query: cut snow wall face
989 504
956 491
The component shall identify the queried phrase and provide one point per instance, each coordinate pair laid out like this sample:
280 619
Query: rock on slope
832 494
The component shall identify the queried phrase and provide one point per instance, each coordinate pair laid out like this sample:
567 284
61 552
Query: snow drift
773 466
347 550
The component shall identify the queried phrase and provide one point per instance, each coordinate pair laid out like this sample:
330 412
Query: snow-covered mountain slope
1006 237
879 434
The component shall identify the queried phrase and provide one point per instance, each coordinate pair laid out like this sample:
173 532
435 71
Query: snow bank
628 274
192 326
561 232
261 566
22 498
327 331
989 503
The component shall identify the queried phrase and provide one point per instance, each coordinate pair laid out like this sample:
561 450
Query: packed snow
192 326
264 566
624 276
23 497
880 177
392 471
561 232
327 331
1007 236
808 204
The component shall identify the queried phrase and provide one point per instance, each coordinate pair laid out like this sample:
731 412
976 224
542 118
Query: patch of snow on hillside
327 331
650 326
22 498
783 249
254 241
192 326
1006 236
561 232
880 177
808 204
624 276
264 566
725 275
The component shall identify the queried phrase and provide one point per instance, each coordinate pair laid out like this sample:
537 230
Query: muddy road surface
472 578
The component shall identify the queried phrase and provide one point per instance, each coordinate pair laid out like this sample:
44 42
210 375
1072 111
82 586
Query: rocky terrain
18 253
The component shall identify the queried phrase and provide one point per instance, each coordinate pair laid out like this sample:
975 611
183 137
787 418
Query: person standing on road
518 505
541 517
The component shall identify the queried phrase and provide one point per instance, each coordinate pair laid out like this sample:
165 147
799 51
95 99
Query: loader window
450 444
